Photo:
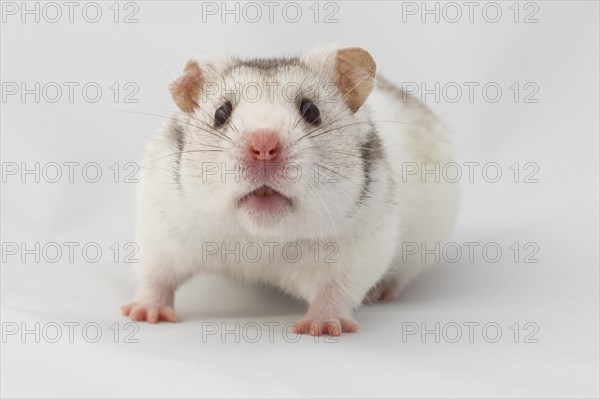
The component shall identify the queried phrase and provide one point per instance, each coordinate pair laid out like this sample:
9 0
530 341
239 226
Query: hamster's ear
354 75
186 89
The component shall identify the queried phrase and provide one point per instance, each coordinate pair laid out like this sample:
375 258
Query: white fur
176 222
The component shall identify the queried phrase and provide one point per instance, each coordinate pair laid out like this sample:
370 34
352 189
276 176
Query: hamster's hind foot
383 291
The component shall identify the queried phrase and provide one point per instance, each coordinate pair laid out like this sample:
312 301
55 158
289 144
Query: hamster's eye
223 113
310 112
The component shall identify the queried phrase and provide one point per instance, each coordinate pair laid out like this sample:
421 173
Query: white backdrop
547 52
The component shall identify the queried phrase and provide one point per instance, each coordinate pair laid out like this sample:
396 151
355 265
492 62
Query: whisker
179 121
319 128
183 152
363 122
208 125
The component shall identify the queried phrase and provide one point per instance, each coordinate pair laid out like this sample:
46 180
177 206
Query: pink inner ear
185 90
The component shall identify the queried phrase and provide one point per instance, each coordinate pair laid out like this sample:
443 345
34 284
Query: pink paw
150 313
333 326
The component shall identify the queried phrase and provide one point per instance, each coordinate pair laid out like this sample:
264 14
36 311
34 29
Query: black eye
223 113
310 112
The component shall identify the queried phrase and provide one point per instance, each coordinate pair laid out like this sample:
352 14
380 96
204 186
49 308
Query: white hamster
291 172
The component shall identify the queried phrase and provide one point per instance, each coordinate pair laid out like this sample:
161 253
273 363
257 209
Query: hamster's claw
150 313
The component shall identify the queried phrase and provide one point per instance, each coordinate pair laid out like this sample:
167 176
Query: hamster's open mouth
265 200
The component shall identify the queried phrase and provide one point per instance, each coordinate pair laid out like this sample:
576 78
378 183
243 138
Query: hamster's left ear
354 75
186 89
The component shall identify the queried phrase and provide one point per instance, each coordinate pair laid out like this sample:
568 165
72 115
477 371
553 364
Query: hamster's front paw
150 313
317 326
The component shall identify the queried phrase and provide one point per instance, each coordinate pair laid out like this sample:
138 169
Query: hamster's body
334 246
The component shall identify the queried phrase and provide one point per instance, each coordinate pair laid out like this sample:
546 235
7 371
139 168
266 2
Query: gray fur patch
371 152
269 63
175 136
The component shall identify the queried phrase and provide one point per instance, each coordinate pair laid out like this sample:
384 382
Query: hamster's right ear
186 89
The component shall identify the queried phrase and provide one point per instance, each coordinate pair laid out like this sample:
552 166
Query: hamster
291 172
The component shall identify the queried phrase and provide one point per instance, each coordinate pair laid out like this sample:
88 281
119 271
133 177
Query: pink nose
264 145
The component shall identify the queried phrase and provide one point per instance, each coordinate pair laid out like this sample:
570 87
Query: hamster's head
278 146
